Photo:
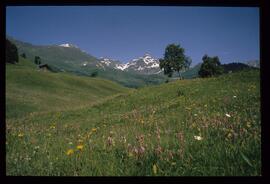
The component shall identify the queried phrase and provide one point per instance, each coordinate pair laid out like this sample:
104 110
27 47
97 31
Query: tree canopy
11 53
174 60
210 67
37 60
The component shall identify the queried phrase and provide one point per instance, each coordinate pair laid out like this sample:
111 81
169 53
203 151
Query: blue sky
127 32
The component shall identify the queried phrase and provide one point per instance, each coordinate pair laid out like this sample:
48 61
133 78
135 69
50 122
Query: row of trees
175 60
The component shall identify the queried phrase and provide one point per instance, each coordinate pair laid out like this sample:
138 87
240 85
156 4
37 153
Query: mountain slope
64 58
30 90
69 58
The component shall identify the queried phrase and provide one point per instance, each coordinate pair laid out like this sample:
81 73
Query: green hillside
30 90
192 127
71 60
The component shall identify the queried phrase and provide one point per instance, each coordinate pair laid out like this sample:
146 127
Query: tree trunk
180 77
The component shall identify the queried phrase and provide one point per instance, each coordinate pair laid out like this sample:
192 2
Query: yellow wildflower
155 169
69 152
80 147
20 135
130 154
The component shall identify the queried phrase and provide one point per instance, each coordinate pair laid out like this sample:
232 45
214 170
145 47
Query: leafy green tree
11 53
174 60
210 67
37 60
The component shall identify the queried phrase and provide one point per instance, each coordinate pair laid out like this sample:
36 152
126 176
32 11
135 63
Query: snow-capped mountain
144 65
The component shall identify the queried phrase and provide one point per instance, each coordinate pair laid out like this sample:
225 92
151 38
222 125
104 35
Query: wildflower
140 139
70 152
141 150
158 150
110 141
170 155
155 169
70 143
180 137
52 127
20 135
94 129
228 115
198 138
130 154
234 96
80 147
124 139
135 150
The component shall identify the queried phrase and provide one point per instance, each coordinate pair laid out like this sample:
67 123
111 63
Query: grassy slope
29 90
38 145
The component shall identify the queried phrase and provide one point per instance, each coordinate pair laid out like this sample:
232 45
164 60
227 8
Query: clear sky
127 32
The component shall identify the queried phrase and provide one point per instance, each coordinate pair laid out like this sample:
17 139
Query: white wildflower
198 138
228 115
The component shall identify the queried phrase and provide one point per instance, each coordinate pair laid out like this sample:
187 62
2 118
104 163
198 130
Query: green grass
29 90
37 144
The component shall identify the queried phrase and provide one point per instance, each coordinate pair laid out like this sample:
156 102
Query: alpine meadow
177 109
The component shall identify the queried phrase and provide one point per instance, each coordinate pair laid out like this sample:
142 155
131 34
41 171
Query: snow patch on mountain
106 61
67 45
145 65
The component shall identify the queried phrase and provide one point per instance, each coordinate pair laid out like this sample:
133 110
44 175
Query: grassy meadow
59 124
